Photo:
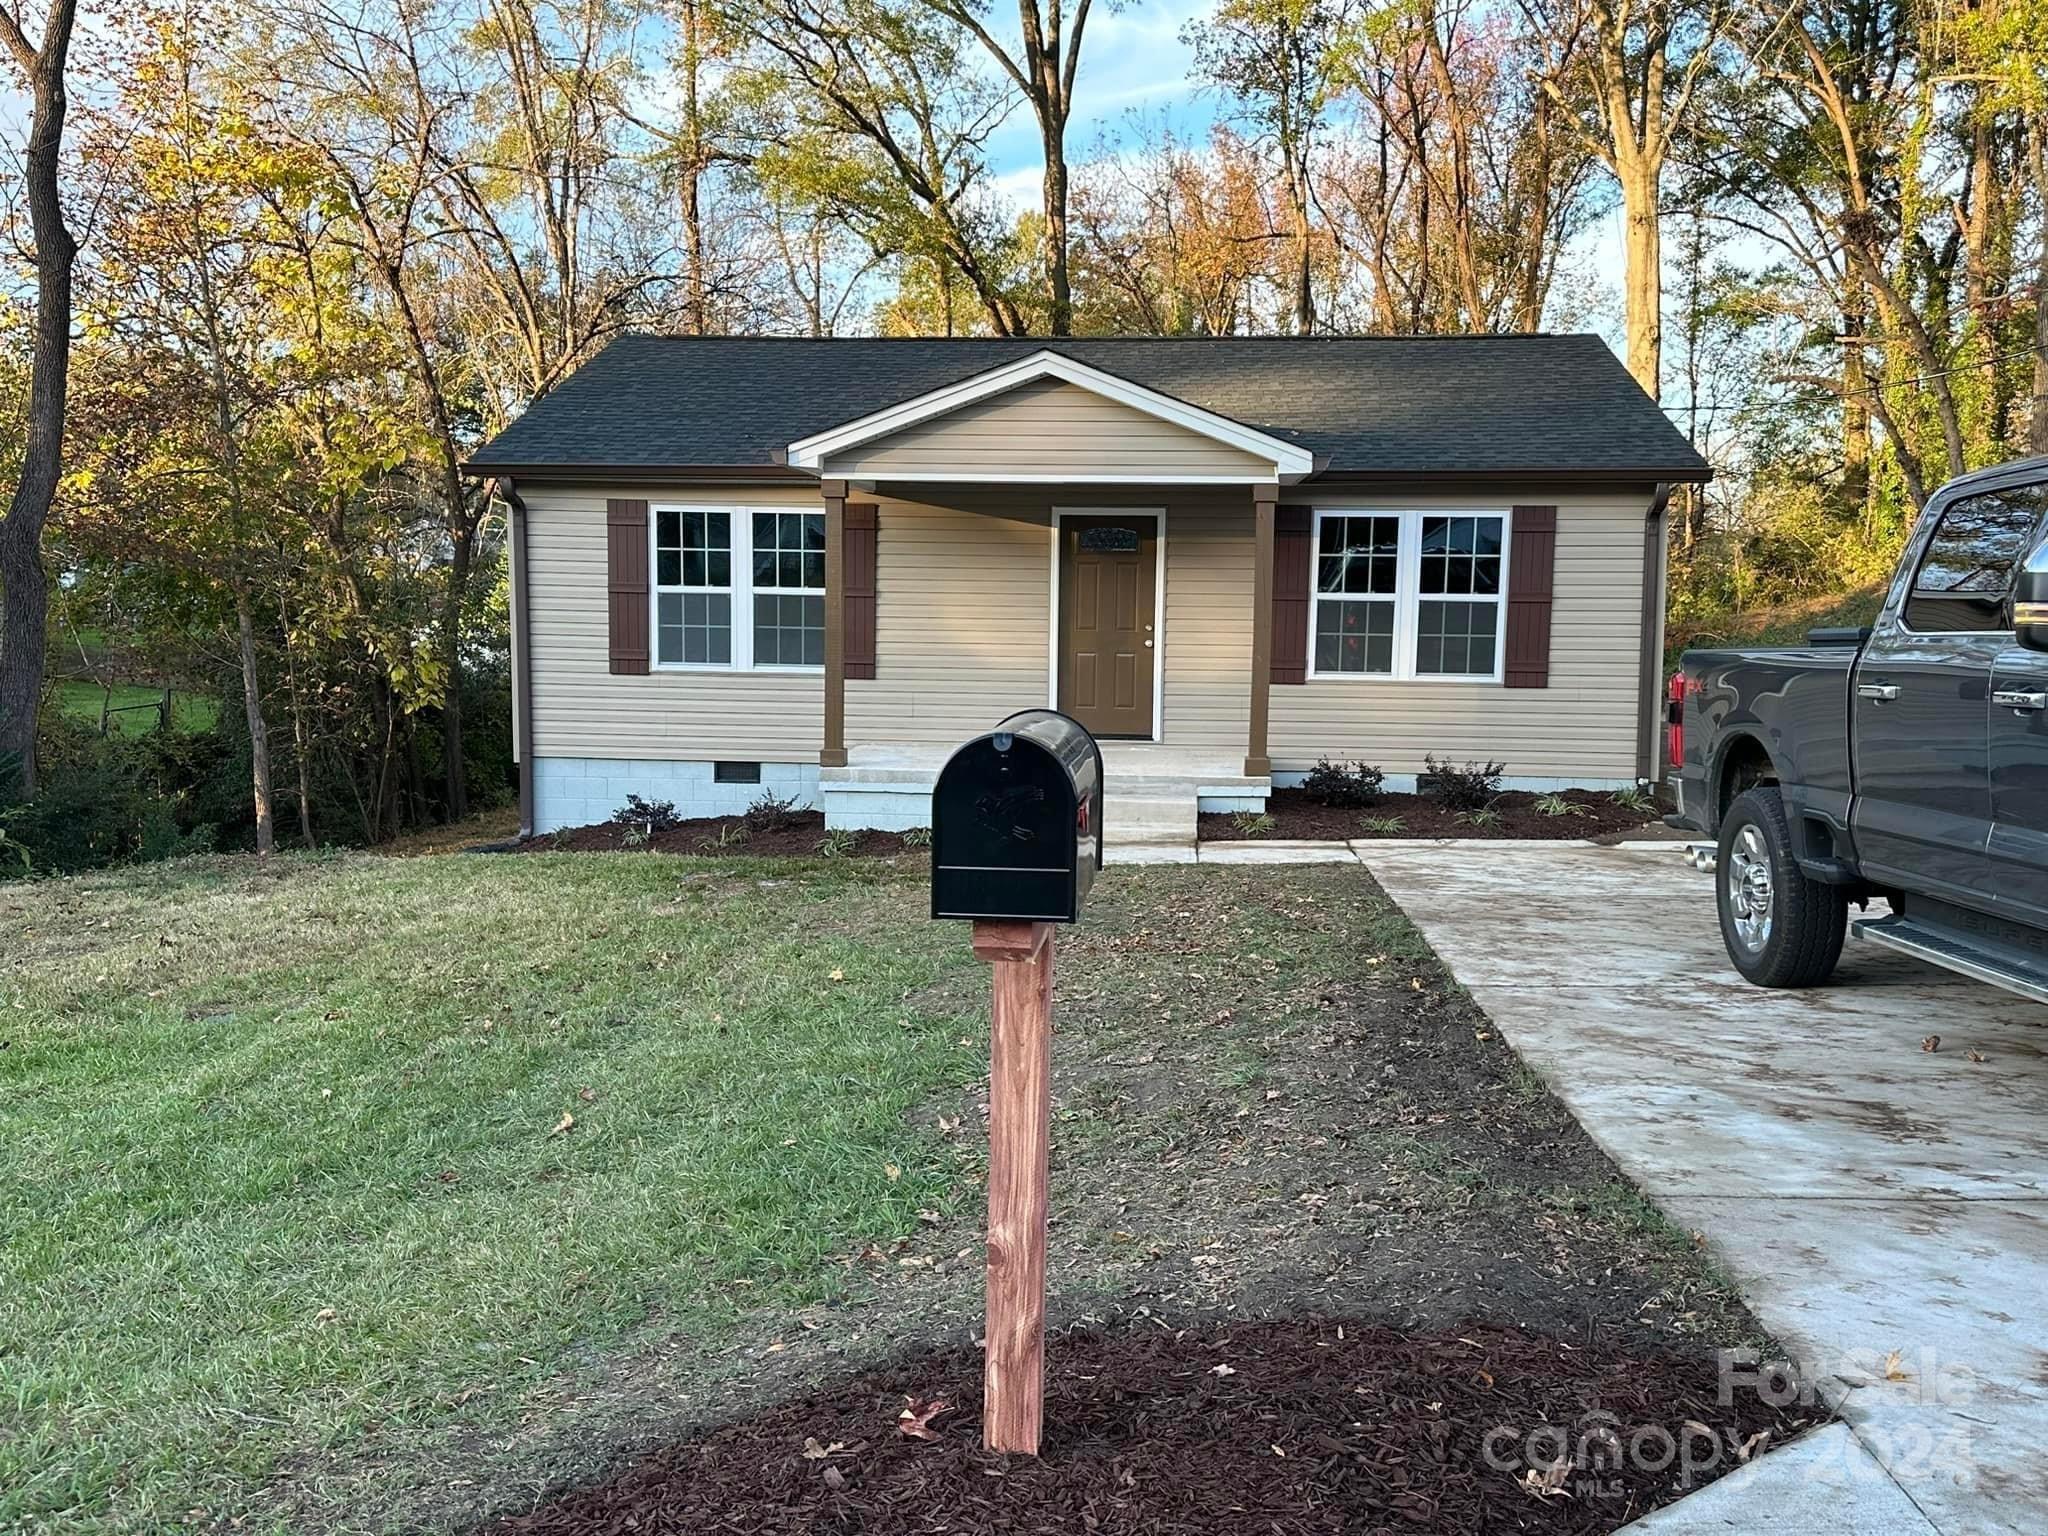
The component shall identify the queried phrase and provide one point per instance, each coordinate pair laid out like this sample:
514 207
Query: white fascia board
1289 461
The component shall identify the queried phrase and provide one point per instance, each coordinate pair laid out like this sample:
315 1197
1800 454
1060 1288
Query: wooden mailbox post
1016 841
1019 1143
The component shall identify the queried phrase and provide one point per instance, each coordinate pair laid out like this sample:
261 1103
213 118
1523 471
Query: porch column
832 754
1264 499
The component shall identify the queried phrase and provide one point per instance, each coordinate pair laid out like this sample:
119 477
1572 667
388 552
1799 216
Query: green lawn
356 1194
81 700
281 1160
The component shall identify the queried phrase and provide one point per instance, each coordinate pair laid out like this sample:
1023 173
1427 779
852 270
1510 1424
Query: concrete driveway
1884 1207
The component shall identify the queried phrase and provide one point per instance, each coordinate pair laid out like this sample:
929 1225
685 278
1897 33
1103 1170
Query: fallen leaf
1931 1043
816 1452
834 1479
587 1095
1752 1445
1974 1055
837 974
893 1171
1549 1482
1222 1370
916 1418
325 1315
563 1124
1895 1367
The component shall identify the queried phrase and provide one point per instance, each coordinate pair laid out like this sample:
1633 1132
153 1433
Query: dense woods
276 265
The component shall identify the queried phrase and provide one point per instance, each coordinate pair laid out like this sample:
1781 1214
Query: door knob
1883 692
1148 645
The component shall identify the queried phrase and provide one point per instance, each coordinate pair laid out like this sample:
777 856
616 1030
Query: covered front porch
1048 535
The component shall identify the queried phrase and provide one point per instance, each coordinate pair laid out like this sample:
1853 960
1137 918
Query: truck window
1966 575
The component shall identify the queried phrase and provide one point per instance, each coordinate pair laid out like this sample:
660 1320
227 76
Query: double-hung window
738 587
1409 594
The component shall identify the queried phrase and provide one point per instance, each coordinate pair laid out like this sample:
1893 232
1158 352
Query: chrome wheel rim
1752 897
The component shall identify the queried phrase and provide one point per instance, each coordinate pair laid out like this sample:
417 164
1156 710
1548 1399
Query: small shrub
1381 826
1484 817
633 836
1252 823
1634 798
838 843
1469 788
771 812
651 817
1557 805
918 837
559 839
1343 784
730 834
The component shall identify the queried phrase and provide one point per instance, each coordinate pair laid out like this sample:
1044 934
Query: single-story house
815 566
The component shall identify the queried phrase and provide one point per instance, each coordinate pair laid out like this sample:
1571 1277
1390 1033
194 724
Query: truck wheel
1782 929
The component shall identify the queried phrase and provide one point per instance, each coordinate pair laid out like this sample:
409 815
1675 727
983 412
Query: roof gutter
1649 693
504 490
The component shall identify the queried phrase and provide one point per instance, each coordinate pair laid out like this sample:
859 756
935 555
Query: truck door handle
2015 700
1884 693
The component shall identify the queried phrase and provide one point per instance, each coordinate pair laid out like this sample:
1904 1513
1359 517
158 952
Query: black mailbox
1017 822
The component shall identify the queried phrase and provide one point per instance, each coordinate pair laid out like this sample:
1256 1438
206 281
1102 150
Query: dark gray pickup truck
1907 761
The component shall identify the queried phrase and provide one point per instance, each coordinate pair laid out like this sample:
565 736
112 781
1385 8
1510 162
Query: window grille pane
1354 636
1456 639
789 550
1359 554
789 631
707 628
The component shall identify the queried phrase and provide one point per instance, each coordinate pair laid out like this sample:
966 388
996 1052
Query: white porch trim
1289 461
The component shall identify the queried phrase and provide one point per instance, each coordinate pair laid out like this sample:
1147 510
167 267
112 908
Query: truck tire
1781 928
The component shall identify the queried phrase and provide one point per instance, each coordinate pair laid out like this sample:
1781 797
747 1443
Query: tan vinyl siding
581 710
962 609
1208 639
1047 428
963 616
1582 726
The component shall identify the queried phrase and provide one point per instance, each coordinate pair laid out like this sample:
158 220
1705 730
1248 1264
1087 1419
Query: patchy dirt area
799 834
1297 1427
1579 813
1270 1104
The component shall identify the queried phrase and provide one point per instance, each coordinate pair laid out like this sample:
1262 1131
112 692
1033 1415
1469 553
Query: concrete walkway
1884 1207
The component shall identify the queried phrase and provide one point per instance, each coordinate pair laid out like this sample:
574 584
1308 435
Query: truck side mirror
2030 601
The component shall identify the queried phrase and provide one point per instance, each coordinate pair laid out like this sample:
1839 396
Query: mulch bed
1280 1428
1294 815
799 834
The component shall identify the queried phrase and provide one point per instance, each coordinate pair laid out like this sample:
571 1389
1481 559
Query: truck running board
1954 952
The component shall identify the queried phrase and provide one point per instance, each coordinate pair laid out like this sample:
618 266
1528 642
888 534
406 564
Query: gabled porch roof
1249 455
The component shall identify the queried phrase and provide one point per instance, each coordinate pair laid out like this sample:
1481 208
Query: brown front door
1107 647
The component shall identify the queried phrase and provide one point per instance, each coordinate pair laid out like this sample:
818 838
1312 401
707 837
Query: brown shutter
1532 559
857 574
1293 532
625 526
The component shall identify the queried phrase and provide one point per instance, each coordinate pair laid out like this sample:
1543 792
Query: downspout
522 650
1649 680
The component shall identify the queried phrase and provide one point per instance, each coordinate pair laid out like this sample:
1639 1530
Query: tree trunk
1059 291
1304 250
259 738
464 553
24 583
1855 406
696 301
1643 276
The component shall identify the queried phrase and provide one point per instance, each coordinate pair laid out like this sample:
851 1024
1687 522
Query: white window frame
741 590
1409 597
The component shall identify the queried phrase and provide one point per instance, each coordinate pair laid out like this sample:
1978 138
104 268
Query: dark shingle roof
1365 405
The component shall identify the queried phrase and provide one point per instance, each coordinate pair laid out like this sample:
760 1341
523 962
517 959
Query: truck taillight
1674 721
